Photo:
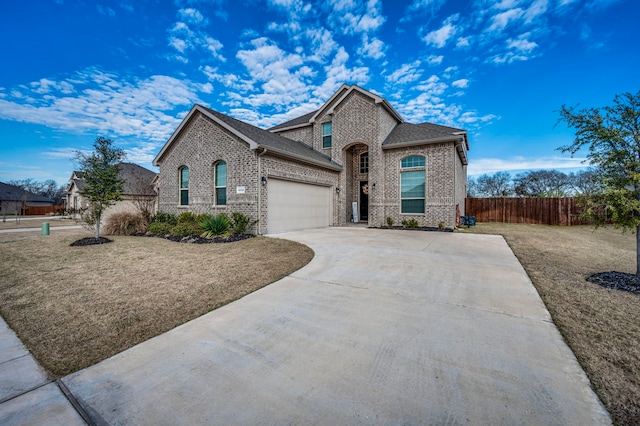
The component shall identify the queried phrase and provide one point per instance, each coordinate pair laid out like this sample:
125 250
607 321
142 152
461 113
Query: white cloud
407 73
45 86
351 17
192 16
537 8
439 37
321 43
373 48
462 42
435 59
500 21
521 45
461 84
108 104
184 39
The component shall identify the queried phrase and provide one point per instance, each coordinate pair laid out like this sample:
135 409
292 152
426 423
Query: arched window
220 183
412 183
184 186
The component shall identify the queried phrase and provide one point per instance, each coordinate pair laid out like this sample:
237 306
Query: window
327 129
220 184
364 162
184 186
412 183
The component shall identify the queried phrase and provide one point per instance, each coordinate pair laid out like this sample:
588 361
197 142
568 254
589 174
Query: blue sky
131 70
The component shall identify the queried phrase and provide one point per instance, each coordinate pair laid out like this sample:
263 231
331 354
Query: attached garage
295 205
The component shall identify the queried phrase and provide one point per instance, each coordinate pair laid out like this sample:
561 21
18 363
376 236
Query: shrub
390 221
441 226
411 223
184 229
216 225
160 228
240 222
201 217
125 223
186 217
162 217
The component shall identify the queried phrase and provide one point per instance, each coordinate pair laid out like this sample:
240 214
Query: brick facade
360 123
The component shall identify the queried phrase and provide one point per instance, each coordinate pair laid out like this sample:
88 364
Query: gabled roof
137 179
329 106
256 138
301 121
407 134
15 193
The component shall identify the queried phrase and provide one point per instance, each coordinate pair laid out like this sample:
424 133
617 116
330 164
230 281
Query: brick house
138 192
354 159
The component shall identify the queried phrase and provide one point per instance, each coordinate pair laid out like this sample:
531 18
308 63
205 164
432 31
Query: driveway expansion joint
31 389
75 403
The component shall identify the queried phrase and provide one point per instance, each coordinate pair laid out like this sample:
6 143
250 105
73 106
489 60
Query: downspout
264 151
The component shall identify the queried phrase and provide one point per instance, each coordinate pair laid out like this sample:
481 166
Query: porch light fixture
337 190
263 179
373 186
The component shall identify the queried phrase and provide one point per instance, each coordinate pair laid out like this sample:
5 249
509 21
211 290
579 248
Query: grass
601 326
75 306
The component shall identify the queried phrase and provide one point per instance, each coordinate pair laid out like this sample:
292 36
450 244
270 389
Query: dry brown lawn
601 326
75 306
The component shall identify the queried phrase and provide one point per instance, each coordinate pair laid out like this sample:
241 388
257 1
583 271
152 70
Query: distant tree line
535 183
48 188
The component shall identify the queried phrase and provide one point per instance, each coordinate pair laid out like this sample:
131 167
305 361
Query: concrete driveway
382 327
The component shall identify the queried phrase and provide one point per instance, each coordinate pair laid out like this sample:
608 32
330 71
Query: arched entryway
356 160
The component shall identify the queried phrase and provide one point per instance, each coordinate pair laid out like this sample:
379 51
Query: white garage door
294 205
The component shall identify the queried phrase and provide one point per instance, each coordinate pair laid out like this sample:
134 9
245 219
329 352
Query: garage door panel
295 205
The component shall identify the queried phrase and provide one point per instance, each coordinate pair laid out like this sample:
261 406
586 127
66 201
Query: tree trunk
98 225
638 251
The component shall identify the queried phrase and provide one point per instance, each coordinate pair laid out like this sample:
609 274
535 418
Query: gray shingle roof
406 133
138 180
304 119
14 193
278 143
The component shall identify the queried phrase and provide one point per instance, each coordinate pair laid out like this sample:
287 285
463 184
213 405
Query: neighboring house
138 192
14 200
354 159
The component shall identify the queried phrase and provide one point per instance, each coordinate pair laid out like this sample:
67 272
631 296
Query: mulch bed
197 239
90 241
191 239
617 281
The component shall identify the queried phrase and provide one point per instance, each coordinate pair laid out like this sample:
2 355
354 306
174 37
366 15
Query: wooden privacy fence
541 211
41 210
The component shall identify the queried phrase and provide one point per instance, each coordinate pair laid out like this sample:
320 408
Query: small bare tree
142 195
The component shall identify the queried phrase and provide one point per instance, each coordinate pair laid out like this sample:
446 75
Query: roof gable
256 138
330 105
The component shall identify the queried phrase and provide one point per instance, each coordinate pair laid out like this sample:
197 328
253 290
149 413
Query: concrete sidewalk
382 327
27 395
52 229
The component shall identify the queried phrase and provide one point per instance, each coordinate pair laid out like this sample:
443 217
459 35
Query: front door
364 200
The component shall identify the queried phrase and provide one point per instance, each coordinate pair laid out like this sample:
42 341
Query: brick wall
439 185
201 144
